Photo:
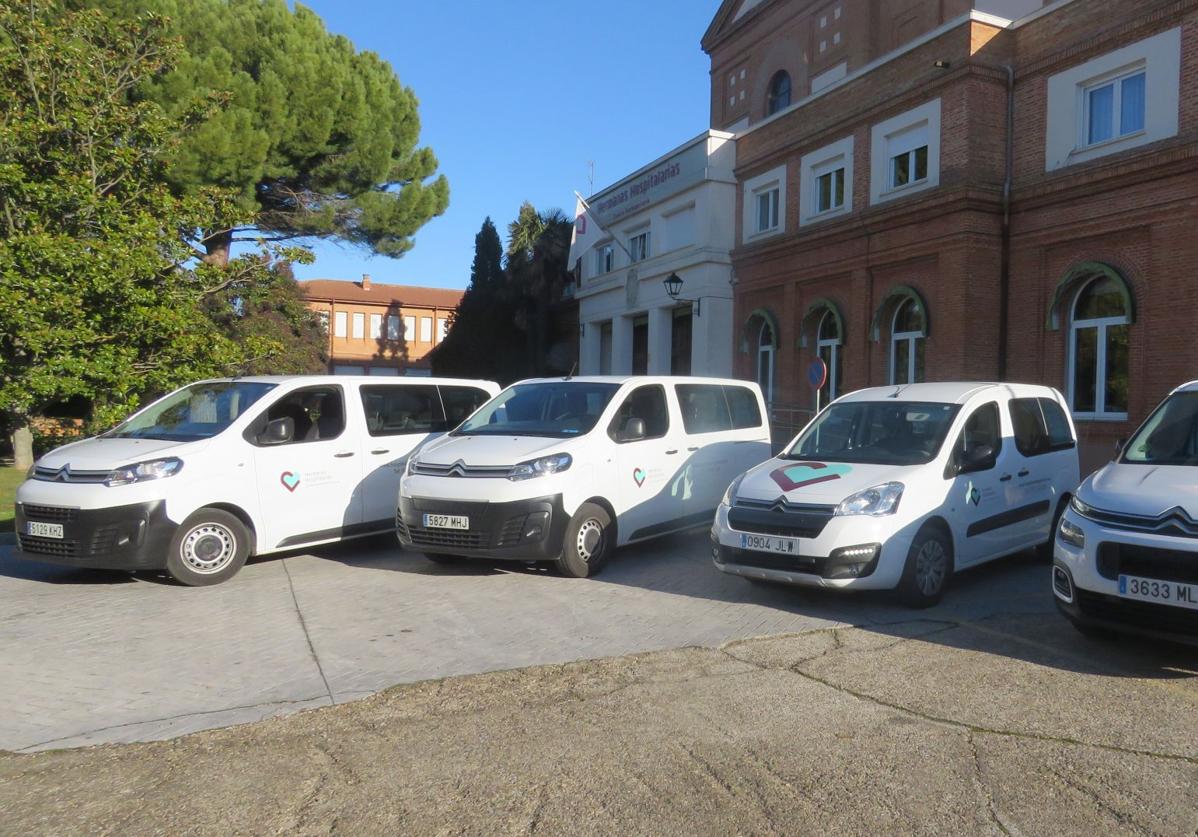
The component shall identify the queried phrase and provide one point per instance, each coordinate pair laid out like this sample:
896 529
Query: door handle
671 452
1024 472
692 450
1005 478
380 451
343 455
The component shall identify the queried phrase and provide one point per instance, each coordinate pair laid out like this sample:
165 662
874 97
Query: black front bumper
523 530
134 537
838 565
1112 613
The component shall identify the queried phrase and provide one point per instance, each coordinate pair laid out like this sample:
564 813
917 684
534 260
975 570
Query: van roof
640 379
947 392
341 379
1191 386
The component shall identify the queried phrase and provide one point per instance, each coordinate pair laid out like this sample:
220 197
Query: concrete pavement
94 657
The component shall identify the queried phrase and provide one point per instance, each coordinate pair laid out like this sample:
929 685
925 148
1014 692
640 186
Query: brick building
380 329
986 190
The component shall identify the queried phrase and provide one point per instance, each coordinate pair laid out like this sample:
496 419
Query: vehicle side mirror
977 458
278 432
634 429
1120 444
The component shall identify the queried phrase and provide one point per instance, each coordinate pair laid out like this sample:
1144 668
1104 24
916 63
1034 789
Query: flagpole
586 206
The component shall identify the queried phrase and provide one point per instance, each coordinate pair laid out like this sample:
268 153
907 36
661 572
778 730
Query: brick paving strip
997 725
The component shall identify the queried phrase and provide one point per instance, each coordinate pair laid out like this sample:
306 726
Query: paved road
1005 725
92 657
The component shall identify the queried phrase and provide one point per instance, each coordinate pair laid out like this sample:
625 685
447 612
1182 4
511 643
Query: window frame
613 432
911 338
953 469
436 425
766 354
1116 81
833 346
358 325
638 246
341 325
773 95
774 179
884 137
254 429
426 329
1102 324
772 196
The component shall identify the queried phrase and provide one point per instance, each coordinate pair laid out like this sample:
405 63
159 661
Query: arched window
779 96
1098 357
827 344
767 343
907 343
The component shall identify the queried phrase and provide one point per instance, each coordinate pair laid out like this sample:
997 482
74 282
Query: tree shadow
392 341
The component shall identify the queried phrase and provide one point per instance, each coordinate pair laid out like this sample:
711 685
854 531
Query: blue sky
516 97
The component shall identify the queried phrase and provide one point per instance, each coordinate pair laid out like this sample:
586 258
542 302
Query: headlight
554 464
876 501
155 469
1080 507
1071 534
409 466
730 492
32 470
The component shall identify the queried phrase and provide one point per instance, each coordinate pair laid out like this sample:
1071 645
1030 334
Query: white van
900 486
223 469
1126 556
568 469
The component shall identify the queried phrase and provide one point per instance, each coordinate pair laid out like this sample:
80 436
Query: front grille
454 539
1115 559
53 514
66 474
512 530
460 469
1155 617
48 546
1176 522
779 517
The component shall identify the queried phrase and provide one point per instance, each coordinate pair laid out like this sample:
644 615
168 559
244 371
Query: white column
661 325
621 345
588 361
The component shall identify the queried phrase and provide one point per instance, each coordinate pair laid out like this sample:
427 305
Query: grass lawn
10 478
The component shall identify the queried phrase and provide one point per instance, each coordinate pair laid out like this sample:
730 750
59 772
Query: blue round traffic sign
817 373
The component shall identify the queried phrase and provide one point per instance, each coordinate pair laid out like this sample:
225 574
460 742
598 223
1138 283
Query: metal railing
786 420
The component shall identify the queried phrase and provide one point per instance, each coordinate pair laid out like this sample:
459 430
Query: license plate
446 521
1154 590
43 530
768 543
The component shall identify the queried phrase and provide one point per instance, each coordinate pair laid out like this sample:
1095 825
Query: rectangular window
393 410
324 320
1040 426
460 403
638 246
442 329
339 320
767 210
317 414
376 326
742 404
704 408
1115 108
426 329
909 167
359 326
409 328
829 190
393 327
604 260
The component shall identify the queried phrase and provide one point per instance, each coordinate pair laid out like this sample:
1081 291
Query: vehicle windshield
559 409
1170 436
199 411
876 433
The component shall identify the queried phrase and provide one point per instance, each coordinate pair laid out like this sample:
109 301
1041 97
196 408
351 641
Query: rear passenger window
392 410
460 403
742 404
1040 426
704 408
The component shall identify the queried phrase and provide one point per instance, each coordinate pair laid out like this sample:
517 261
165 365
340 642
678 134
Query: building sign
672 175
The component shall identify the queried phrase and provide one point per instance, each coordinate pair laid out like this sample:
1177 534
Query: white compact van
900 486
1126 556
567 469
220 470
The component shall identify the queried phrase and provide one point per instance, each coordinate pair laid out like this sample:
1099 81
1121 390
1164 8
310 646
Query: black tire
437 558
589 541
1044 550
208 548
928 569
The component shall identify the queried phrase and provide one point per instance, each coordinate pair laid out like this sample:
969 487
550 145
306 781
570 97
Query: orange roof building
380 329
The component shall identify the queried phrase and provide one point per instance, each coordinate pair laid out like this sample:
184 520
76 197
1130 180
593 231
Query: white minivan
567 469
223 469
1126 556
900 486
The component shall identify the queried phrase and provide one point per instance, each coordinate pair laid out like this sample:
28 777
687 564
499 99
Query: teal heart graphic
810 473
639 476
290 481
975 496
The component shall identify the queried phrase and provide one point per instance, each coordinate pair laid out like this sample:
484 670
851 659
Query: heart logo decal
638 475
290 481
809 473
972 495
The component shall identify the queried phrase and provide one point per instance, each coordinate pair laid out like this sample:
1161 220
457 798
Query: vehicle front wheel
208 548
929 565
589 542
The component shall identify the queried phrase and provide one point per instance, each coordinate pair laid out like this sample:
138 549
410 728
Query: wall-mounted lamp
941 64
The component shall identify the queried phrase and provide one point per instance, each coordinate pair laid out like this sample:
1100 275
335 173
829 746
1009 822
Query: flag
587 232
